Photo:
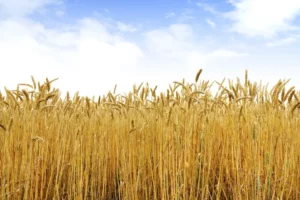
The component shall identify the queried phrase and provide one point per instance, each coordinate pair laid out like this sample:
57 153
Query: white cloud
211 23
126 27
169 40
170 15
181 31
176 49
207 7
264 18
282 42
87 58
18 8
178 40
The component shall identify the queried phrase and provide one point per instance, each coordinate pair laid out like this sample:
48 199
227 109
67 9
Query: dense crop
187 143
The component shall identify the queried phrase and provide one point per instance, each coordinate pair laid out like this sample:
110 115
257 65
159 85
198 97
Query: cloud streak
211 23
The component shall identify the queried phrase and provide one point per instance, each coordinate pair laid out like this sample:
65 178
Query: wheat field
185 143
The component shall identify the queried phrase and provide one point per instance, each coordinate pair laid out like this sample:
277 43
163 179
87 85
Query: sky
92 45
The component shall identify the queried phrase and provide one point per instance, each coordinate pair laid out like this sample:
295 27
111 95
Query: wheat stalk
198 75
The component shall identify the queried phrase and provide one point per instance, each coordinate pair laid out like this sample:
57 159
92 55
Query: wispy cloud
126 27
168 41
264 18
211 23
186 15
207 7
170 15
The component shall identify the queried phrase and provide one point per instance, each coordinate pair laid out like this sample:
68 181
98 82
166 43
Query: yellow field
242 143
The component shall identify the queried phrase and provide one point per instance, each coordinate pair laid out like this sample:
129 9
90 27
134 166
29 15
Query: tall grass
186 143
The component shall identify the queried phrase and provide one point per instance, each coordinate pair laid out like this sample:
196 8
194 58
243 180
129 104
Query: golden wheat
179 144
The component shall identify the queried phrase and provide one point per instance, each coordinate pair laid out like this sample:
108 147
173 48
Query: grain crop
241 142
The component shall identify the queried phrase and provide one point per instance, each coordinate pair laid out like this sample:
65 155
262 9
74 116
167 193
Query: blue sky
93 45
